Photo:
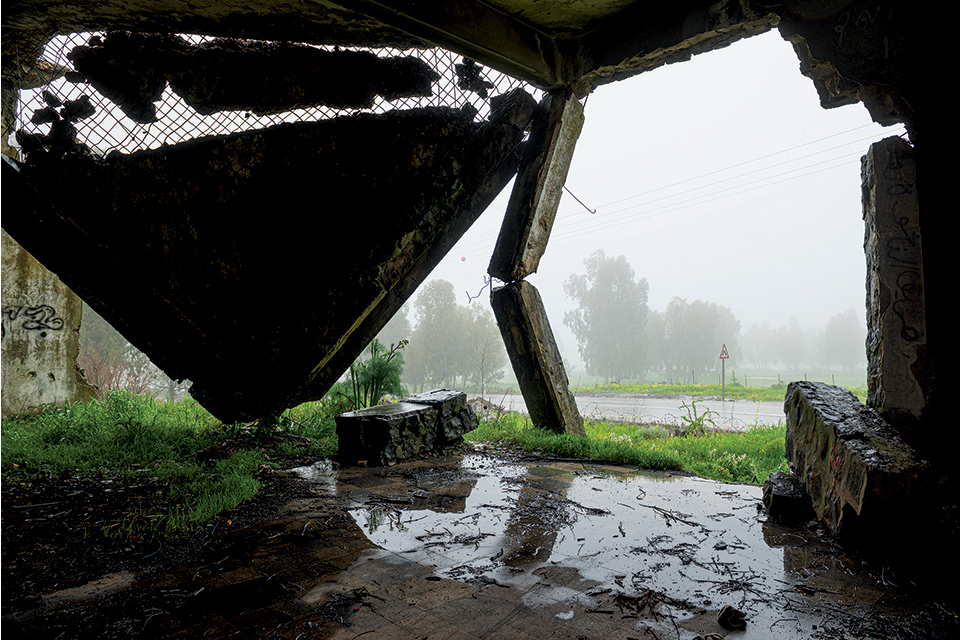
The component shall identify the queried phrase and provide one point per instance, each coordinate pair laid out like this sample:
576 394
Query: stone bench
416 426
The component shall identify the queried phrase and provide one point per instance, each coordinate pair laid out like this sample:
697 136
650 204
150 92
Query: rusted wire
110 130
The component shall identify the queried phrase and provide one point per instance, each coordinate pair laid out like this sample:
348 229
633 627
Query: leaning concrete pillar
898 372
535 358
522 241
538 188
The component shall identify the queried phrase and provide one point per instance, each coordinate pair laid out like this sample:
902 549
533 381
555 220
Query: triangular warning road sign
723 352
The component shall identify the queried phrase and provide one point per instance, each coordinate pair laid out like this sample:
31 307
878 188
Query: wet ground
491 546
645 408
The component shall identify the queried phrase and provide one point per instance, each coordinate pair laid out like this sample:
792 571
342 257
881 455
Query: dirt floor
480 546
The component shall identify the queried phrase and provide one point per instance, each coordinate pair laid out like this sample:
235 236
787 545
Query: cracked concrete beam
535 358
537 190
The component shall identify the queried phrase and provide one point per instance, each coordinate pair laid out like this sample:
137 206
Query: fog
719 179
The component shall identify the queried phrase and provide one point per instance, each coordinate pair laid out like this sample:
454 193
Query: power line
596 223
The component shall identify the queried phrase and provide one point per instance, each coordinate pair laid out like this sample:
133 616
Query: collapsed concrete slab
535 358
866 485
417 426
223 258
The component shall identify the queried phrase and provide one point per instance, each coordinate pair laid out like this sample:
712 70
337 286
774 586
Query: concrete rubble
786 499
860 475
420 425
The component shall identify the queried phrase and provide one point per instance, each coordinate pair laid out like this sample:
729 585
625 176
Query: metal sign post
723 372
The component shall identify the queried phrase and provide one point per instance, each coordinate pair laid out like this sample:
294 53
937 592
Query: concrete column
41 329
538 188
898 371
535 358
523 239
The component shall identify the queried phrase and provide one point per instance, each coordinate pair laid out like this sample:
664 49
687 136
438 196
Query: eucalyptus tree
692 334
842 341
610 319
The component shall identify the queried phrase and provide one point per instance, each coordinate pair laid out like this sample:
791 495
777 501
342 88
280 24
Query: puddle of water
563 533
321 474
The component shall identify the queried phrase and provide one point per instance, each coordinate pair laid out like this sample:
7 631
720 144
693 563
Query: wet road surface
492 547
730 414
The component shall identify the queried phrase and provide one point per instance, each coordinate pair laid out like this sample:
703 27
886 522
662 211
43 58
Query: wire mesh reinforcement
44 78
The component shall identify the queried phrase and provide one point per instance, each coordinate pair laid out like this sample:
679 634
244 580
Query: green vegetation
730 457
179 467
733 391
197 466
373 376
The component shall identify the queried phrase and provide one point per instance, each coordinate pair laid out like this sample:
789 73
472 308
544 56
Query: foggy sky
720 179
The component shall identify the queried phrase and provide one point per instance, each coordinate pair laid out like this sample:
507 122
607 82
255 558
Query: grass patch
194 466
747 457
316 420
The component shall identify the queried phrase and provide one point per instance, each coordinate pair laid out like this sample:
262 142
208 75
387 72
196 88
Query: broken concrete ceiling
852 50
574 43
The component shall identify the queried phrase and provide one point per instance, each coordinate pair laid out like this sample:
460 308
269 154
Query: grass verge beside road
747 457
732 391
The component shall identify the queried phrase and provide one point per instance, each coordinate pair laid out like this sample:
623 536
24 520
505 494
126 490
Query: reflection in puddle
567 533
321 474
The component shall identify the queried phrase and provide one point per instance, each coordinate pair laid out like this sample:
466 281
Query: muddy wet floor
488 546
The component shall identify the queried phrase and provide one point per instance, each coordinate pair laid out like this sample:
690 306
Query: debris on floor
488 546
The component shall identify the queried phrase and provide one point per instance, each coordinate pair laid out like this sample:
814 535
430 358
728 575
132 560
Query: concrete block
386 433
535 358
864 481
786 499
454 416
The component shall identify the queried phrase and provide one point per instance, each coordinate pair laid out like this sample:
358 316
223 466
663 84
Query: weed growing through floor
748 456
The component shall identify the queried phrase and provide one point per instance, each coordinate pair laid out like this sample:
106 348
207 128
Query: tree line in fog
619 338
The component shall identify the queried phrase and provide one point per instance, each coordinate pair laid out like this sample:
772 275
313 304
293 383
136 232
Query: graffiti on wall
42 318
903 249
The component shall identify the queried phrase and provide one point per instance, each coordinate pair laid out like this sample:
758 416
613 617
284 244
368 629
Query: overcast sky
720 179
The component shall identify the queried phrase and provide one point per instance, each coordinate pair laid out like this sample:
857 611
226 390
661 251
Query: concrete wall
41 327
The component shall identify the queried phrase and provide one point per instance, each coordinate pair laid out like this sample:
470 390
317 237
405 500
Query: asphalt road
737 414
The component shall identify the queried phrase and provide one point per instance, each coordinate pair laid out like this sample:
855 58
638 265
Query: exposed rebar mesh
45 78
